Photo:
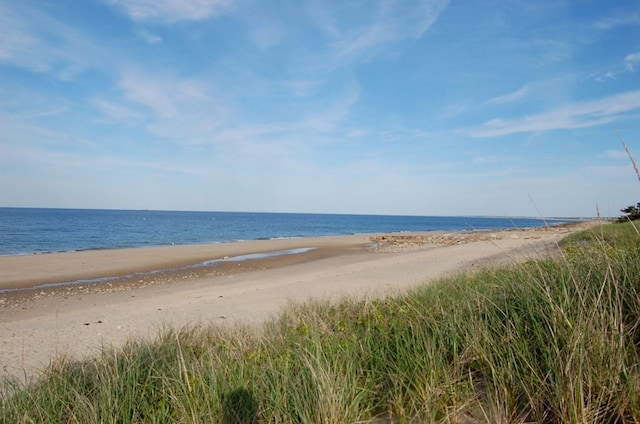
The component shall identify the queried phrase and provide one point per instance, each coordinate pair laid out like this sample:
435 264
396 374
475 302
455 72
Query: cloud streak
42 44
632 59
168 11
618 20
148 36
509 97
165 96
388 23
577 115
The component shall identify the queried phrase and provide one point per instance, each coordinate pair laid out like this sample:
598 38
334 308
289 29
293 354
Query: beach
132 293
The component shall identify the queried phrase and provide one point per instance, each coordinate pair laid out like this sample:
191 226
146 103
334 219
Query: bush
632 213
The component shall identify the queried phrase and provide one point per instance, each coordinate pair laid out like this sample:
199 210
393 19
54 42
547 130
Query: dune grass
551 340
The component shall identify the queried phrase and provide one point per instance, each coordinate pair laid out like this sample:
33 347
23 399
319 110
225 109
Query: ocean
26 231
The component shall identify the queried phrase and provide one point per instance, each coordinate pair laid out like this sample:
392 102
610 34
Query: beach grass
549 340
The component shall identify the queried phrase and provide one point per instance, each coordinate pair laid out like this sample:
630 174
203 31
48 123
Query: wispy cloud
615 154
364 43
17 40
615 21
180 110
632 59
427 13
603 77
300 87
304 131
388 23
492 160
79 161
577 115
267 35
148 36
455 109
165 96
117 112
335 112
629 64
172 10
40 43
509 97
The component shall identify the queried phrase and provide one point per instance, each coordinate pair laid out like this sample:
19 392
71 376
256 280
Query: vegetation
631 213
553 340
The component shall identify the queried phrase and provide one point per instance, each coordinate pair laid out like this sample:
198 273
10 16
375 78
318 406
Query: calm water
28 230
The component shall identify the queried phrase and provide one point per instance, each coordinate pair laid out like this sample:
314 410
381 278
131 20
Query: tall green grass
552 340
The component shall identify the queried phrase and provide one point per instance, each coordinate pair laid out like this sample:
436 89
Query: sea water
32 230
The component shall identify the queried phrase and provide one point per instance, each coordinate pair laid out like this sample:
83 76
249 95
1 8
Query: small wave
251 256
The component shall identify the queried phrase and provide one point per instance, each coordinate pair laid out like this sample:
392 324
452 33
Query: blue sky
434 107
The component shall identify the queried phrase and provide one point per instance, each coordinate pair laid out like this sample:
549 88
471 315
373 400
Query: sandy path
79 321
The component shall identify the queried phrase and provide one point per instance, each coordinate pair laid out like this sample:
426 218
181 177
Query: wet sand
153 287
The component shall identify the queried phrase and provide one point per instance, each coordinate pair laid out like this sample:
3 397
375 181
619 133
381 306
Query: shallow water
30 230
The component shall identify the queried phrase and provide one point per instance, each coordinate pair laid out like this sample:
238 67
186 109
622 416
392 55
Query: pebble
412 242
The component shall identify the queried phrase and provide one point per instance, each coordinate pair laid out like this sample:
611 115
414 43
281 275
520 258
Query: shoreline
65 268
145 274
97 266
39 325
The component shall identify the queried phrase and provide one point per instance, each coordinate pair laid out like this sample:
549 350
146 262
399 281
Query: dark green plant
631 213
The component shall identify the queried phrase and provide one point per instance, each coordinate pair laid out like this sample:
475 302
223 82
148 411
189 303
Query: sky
404 107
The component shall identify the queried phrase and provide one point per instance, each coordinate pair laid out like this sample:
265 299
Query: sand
40 324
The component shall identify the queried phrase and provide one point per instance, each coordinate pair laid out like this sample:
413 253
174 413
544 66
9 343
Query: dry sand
38 324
